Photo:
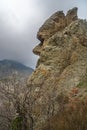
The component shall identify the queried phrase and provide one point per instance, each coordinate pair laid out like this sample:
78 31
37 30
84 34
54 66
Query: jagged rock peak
57 22
71 15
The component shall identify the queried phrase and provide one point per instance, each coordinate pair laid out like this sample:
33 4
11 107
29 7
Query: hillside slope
9 67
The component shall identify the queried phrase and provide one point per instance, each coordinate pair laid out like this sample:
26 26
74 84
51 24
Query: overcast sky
20 21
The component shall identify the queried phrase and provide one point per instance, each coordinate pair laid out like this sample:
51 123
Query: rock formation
62 66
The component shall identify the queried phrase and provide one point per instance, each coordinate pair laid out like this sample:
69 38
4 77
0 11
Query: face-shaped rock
62 51
51 49
62 64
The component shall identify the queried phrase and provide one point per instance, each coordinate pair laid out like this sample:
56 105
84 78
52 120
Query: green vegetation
17 123
83 83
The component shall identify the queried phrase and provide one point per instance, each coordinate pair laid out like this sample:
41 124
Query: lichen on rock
62 63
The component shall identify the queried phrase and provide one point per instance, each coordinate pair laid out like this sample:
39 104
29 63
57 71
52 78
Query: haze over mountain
9 67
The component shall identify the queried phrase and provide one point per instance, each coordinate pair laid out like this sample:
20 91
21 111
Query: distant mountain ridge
7 67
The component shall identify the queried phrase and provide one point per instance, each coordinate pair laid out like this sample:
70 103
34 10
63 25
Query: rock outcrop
57 22
62 66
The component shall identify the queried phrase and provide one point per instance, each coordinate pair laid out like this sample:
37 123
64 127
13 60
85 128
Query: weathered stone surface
57 22
71 15
62 65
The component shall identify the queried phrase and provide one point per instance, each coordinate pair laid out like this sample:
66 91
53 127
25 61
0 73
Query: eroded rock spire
62 65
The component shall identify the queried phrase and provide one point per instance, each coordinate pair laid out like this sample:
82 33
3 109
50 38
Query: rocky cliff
61 70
